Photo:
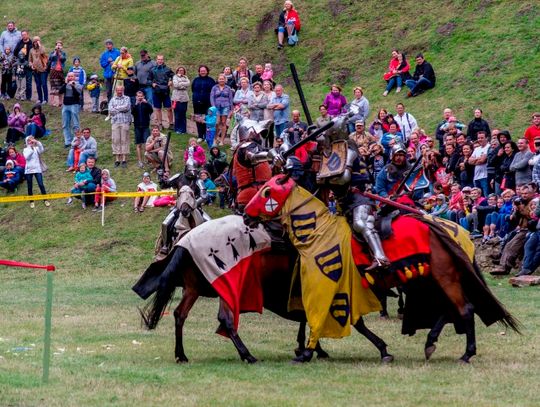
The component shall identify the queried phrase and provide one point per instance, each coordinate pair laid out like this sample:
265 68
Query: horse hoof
305 357
464 360
428 351
321 354
387 359
298 351
181 359
249 359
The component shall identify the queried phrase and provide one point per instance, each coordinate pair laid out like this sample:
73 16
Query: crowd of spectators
477 176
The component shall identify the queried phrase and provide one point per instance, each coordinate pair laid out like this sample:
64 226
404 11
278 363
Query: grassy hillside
485 53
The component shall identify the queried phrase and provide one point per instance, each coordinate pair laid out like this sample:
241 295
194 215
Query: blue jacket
53 60
105 64
211 118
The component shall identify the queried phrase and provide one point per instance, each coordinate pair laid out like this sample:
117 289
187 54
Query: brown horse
453 291
274 273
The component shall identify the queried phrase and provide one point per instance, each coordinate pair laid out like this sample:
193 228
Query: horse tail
507 320
168 281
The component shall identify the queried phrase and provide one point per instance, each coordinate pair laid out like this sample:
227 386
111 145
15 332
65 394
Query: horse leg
433 336
401 303
301 339
181 312
361 327
444 272
226 319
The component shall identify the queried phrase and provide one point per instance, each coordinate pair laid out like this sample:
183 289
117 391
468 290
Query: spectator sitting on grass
423 77
155 150
141 202
288 25
195 153
209 185
107 185
84 183
36 123
16 122
10 178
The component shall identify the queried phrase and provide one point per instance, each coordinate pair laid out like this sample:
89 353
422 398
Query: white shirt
407 123
480 170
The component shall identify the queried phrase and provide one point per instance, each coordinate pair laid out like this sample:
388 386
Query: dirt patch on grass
484 4
342 75
525 10
336 7
522 83
244 36
315 66
447 29
267 22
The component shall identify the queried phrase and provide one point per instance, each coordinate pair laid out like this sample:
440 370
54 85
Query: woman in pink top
335 101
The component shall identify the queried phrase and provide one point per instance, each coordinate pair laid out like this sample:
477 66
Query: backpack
104 107
292 39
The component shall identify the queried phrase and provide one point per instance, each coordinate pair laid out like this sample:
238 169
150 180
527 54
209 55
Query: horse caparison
275 276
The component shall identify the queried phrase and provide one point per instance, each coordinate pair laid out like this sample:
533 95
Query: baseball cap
359 123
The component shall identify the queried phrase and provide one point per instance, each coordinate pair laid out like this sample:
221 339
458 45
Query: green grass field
485 53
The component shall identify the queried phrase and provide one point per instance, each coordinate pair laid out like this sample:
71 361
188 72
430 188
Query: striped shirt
120 110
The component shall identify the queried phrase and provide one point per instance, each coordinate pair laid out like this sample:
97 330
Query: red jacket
293 15
530 135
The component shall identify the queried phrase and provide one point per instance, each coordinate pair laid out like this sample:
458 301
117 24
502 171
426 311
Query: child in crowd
11 177
94 87
80 77
268 74
107 185
210 186
77 146
84 183
147 185
194 153
211 120
7 63
20 76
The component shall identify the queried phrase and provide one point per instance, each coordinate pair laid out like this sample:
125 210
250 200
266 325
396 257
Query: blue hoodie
104 62
211 117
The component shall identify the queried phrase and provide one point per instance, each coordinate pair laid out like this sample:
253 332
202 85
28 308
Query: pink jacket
17 123
198 155
334 104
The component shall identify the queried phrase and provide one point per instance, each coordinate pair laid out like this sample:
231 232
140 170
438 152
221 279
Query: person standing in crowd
120 67
10 37
180 99
520 163
22 51
142 112
131 85
80 78
423 77
7 63
39 61
221 97
479 160
71 90
201 87
533 131
535 162
57 61
34 167
478 124
257 102
280 105
242 71
439 132
120 112
161 78
270 94
142 70
95 89
406 121
106 61
334 101
359 107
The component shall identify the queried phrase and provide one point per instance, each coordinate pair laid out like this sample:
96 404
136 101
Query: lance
407 176
301 94
392 203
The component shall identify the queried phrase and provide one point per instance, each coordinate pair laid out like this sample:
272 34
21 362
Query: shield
334 163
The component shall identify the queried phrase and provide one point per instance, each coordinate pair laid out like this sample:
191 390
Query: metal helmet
255 130
191 170
398 148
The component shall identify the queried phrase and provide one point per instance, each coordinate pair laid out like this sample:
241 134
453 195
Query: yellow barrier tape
65 195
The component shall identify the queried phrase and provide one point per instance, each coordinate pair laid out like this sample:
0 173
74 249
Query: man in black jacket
24 46
142 111
161 78
423 78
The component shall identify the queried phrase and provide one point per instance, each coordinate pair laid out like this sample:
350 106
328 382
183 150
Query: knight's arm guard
203 194
257 157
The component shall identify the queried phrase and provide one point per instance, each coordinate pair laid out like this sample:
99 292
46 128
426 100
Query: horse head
186 202
269 200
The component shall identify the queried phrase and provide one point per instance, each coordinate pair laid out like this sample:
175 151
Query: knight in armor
392 174
250 162
189 178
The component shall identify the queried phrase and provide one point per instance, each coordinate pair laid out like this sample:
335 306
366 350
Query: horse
445 286
273 271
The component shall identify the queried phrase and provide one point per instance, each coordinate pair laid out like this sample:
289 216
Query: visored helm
191 169
398 148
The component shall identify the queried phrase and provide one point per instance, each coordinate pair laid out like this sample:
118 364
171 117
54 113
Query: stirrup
378 264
